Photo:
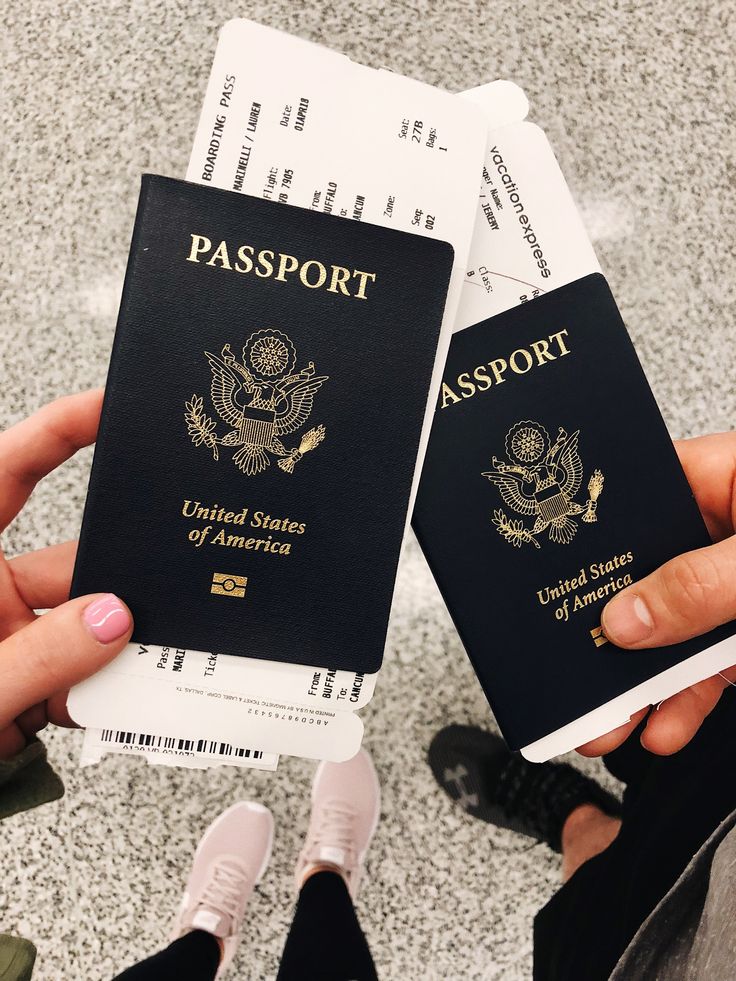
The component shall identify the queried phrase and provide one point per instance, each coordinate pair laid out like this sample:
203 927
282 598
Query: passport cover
550 482
264 403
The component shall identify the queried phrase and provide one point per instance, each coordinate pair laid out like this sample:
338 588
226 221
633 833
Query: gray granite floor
638 101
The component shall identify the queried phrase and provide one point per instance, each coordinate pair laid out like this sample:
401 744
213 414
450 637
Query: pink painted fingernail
107 618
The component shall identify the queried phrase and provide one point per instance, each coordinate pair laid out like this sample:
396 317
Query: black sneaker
491 783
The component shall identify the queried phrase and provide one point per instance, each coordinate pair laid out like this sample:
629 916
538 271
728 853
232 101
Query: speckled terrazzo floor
638 100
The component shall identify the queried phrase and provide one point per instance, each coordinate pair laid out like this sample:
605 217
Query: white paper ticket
529 237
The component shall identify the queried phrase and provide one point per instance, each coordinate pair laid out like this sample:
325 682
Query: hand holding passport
267 403
688 596
43 656
549 435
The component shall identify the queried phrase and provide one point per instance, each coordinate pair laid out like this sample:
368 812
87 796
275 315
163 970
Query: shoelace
334 829
224 892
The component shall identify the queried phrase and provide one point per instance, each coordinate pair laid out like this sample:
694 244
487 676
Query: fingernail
626 619
107 618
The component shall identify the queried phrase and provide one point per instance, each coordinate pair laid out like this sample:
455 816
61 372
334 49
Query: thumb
60 649
687 596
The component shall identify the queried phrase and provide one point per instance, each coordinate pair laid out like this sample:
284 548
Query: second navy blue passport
264 403
549 484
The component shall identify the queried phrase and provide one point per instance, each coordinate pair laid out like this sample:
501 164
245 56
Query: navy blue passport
549 484
262 415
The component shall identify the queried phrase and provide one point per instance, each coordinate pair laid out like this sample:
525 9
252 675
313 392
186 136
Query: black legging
325 943
671 806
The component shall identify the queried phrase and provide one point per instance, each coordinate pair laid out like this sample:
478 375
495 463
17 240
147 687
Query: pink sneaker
346 805
229 861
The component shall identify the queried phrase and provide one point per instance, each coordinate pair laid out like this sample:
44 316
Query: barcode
205 747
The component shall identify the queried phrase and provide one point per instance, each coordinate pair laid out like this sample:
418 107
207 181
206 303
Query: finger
709 463
60 649
57 711
37 717
53 710
12 741
612 740
32 720
687 596
43 578
32 448
678 718
18 734
14 614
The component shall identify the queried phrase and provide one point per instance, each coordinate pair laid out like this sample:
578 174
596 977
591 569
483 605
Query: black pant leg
193 957
325 942
630 763
679 801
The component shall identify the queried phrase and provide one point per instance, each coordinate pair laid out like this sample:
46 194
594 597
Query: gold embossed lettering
220 254
200 243
364 277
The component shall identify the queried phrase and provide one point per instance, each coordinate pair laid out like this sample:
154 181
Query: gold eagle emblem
262 399
541 479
